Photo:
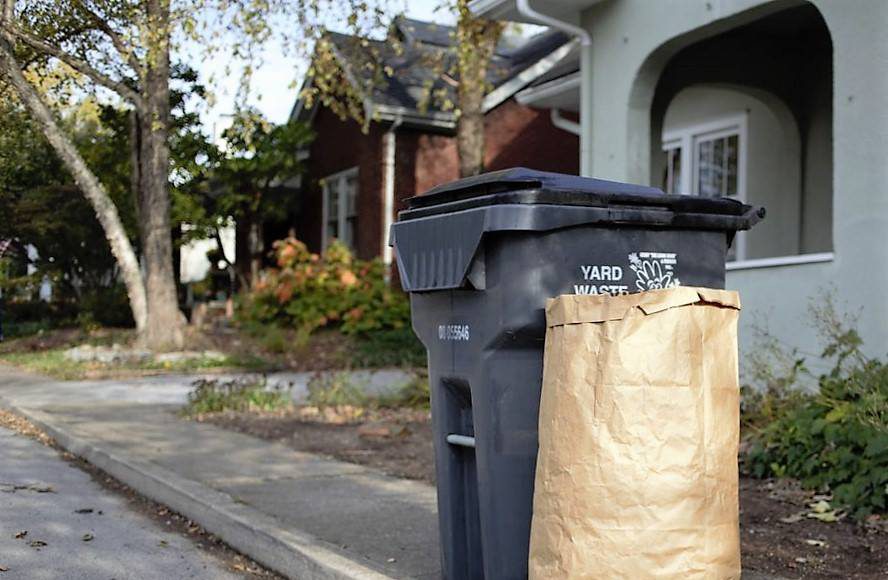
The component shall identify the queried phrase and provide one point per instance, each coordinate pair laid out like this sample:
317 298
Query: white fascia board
528 75
390 113
508 11
494 9
553 88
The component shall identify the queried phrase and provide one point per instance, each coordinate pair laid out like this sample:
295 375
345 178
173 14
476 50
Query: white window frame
340 179
688 137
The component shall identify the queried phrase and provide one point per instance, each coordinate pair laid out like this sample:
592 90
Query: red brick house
356 182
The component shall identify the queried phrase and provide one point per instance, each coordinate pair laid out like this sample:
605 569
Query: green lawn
52 362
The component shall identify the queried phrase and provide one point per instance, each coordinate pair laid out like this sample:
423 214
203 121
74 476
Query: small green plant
214 396
834 439
335 390
274 339
415 395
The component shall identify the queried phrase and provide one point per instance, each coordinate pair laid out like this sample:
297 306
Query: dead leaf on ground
87 537
382 430
37 543
794 518
21 534
818 543
84 511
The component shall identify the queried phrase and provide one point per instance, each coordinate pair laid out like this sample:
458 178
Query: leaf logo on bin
653 270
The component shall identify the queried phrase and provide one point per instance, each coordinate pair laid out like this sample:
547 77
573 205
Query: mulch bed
398 442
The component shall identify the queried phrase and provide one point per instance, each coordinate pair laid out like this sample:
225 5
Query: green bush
389 348
214 396
309 291
834 439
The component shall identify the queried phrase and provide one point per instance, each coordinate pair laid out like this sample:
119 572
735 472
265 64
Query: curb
292 553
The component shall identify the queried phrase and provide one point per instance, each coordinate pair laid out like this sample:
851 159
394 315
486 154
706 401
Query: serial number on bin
453 332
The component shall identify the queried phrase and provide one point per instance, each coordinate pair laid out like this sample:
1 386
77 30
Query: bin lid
437 237
520 185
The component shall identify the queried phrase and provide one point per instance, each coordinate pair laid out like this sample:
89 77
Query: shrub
836 438
389 348
308 291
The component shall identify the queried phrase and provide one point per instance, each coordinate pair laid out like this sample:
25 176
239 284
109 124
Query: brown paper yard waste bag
639 424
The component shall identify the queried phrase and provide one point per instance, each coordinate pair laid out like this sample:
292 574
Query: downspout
525 10
389 142
564 123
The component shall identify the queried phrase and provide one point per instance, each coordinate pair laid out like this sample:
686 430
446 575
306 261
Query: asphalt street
56 522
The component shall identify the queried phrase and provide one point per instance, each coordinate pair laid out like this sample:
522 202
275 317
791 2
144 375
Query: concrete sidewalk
59 523
299 514
302 515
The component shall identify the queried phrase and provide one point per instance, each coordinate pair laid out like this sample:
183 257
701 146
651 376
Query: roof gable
413 62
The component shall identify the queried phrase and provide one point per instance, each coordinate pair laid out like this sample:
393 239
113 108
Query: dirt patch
160 514
806 548
397 442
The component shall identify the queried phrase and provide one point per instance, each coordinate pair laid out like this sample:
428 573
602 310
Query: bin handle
461 440
753 216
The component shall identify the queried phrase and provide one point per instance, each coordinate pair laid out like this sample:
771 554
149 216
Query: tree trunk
470 136
164 328
256 243
92 189
476 42
249 249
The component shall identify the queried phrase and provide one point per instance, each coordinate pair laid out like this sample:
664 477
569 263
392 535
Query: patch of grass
214 396
240 361
52 362
47 362
389 348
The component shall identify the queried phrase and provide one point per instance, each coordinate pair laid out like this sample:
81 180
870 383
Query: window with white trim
709 160
340 192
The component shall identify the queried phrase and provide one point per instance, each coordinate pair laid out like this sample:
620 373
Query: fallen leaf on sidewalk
37 543
87 537
21 534
36 487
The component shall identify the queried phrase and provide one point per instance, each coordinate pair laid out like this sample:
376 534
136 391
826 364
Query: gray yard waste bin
479 257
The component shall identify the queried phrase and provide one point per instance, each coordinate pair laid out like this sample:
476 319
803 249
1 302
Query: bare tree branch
11 31
125 51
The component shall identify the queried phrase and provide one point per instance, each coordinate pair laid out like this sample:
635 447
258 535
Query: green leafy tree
251 182
124 48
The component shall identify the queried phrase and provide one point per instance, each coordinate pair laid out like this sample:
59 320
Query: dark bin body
480 258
